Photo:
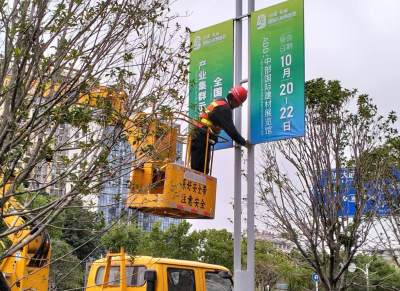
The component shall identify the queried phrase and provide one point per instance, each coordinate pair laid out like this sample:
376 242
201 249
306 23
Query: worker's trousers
198 150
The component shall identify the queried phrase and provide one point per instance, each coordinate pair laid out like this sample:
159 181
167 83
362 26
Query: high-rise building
145 221
47 170
113 194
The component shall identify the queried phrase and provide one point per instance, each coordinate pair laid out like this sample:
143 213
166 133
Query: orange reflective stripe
211 107
204 116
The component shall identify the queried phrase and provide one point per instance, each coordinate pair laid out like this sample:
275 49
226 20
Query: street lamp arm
352 267
357 268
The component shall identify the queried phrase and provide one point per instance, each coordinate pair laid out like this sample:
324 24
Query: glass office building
145 221
114 192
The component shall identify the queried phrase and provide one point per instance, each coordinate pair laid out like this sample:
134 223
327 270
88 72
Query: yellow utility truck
119 272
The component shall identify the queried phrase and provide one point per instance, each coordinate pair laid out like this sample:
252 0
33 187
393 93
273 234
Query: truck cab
143 273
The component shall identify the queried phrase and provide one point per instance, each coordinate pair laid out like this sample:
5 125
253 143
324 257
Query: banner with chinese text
277 103
211 68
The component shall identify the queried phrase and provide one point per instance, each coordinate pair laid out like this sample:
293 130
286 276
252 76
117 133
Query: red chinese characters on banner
193 193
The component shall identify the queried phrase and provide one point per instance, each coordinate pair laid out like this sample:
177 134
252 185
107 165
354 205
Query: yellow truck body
28 268
156 274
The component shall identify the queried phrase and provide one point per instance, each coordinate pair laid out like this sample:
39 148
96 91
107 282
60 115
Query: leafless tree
320 191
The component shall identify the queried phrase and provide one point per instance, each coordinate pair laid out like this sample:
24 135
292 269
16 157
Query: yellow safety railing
193 122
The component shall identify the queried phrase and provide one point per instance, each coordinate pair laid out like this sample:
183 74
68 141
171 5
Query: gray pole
237 162
250 176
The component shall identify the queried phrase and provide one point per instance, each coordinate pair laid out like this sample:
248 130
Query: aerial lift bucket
184 193
172 190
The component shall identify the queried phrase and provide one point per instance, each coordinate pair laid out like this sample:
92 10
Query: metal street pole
243 278
367 273
250 174
237 160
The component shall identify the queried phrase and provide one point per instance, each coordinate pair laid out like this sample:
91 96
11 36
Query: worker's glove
247 145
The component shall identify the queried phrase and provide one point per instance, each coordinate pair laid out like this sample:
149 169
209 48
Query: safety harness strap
205 119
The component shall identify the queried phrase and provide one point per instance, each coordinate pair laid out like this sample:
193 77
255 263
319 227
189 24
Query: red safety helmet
239 93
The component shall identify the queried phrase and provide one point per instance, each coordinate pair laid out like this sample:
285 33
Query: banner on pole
277 103
211 68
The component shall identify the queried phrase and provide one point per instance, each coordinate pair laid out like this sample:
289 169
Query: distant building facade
47 170
146 221
112 197
277 241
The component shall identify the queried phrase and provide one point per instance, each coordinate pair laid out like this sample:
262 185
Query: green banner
277 103
211 68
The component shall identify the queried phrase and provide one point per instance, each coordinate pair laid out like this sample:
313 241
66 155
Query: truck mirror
150 276
225 274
